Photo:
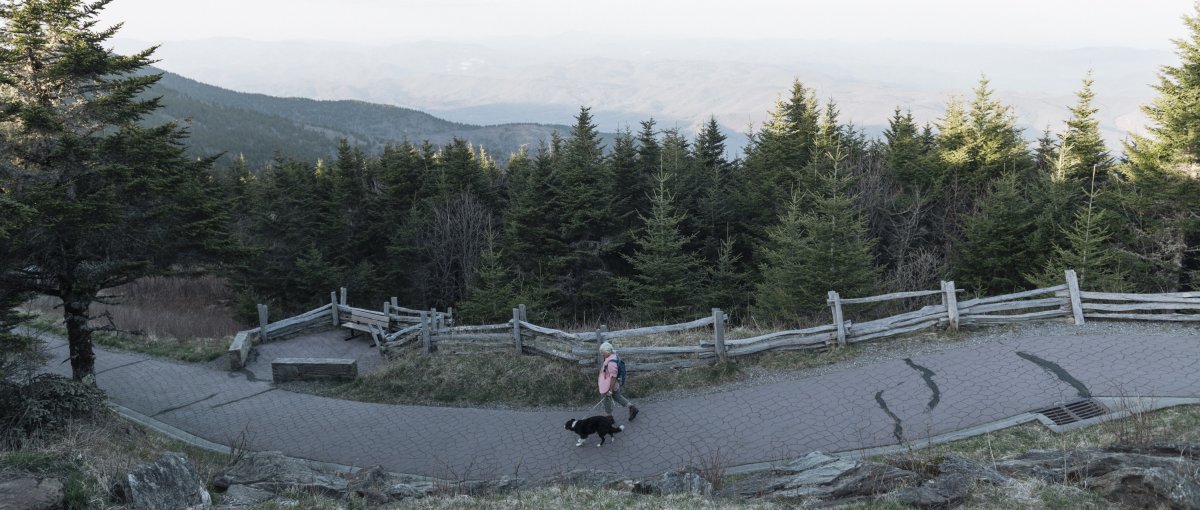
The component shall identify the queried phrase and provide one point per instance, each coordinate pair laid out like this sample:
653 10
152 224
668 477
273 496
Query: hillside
260 126
678 82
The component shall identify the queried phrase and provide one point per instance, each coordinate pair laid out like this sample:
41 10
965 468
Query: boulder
581 478
679 481
169 482
1133 479
816 469
273 472
818 476
871 479
241 495
955 477
31 494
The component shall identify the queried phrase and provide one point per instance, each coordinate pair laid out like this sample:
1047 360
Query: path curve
860 407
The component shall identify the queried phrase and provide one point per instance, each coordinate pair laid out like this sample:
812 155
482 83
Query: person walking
612 374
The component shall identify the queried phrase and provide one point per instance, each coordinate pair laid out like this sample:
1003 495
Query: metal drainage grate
1075 411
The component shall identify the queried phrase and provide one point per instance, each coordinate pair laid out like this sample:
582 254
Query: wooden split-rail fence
384 326
435 330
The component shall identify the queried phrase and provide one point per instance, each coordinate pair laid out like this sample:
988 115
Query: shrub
45 404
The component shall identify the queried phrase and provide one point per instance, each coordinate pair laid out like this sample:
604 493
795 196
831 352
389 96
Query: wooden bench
304 369
366 321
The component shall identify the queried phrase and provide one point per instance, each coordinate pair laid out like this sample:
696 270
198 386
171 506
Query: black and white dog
602 425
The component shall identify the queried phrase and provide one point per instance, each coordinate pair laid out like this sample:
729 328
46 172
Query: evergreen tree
976 145
994 256
493 293
1083 148
530 239
728 285
714 205
109 200
649 162
1173 146
581 199
1163 226
14 349
1046 153
983 142
820 244
775 158
289 207
905 154
663 286
1085 249
629 190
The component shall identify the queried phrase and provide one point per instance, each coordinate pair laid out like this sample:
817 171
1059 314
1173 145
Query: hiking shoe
632 412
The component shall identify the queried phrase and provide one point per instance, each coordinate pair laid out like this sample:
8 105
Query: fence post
524 317
719 332
334 306
262 322
835 302
517 331
343 296
450 316
433 319
395 302
425 332
1076 300
387 311
950 299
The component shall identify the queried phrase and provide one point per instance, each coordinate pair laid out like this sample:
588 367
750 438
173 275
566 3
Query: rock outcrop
1163 477
31 494
169 482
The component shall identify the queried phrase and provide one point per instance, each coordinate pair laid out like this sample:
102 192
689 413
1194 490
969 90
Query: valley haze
491 63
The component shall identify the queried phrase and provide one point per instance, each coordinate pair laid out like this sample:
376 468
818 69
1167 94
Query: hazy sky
1137 23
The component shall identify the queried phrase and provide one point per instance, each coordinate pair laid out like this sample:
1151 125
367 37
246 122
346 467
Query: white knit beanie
607 347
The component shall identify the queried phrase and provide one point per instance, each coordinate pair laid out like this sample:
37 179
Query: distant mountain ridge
680 83
260 127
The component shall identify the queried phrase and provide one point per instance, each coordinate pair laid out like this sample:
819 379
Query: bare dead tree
452 242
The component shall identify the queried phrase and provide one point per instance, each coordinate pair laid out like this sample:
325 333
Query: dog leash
598 403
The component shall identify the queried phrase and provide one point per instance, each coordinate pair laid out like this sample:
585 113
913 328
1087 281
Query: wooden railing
436 332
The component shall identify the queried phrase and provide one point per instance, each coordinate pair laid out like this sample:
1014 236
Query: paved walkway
861 407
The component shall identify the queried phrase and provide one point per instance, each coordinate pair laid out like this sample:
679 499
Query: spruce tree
1085 249
1083 148
820 244
1046 152
715 211
663 285
1162 227
775 158
905 154
728 284
530 239
1173 146
109 200
994 256
582 199
492 294
982 142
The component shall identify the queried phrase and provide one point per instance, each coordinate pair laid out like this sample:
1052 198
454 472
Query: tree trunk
79 337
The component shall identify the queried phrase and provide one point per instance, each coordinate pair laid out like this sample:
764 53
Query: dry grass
1179 424
165 307
1168 426
500 378
182 318
89 457
477 378
579 497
